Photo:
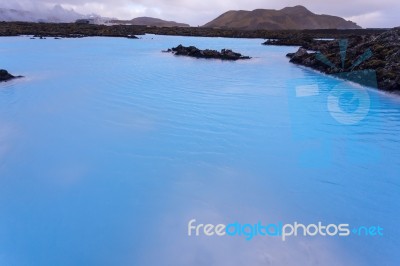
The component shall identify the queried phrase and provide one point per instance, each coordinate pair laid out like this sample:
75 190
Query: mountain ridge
56 14
288 18
150 21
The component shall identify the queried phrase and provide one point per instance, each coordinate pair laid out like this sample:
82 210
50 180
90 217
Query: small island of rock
5 76
192 51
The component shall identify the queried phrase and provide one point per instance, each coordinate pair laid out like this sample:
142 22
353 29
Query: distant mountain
148 21
296 18
57 14
16 15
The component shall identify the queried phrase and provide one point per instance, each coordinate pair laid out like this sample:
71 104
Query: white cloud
368 19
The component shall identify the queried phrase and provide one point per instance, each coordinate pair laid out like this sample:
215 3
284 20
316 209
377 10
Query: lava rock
377 54
5 76
299 54
71 30
306 42
192 51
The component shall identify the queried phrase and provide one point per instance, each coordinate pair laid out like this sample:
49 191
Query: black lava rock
377 54
5 76
191 51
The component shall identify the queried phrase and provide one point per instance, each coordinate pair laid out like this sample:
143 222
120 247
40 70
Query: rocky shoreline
192 51
358 58
306 42
74 30
383 45
5 76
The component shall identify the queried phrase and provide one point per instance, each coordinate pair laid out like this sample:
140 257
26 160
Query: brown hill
148 21
288 18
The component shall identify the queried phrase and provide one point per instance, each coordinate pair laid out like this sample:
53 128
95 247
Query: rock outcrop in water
192 51
359 54
5 76
307 42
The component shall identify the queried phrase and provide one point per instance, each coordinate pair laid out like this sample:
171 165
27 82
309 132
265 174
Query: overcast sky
367 13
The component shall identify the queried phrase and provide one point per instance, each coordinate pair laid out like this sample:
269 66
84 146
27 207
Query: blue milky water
108 148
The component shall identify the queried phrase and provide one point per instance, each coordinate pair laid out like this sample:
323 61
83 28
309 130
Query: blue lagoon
109 147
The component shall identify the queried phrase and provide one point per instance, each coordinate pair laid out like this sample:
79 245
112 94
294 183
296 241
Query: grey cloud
368 13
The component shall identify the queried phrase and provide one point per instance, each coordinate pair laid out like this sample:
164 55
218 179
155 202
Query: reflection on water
109 147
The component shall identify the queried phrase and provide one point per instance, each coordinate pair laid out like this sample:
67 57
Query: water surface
109 147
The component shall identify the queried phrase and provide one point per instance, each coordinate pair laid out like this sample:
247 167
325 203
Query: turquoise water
109 147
